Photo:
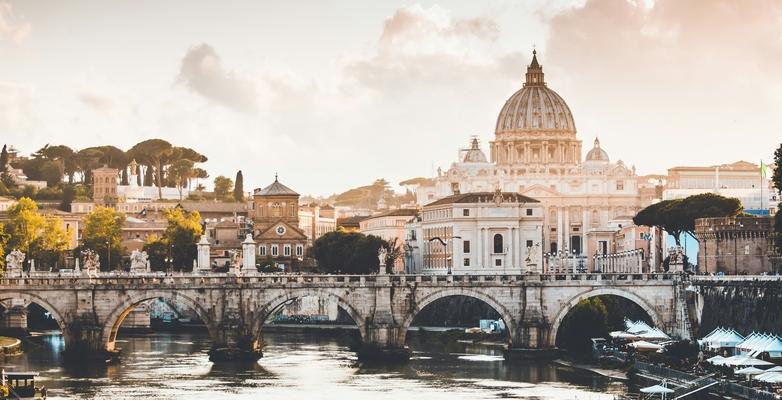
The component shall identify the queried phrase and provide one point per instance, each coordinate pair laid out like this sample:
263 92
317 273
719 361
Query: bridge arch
557 322
275 303
505 314
114 319
28 297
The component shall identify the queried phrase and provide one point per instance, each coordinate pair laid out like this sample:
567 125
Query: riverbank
611 373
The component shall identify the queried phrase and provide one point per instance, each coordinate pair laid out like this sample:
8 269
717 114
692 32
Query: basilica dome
535 108
597 153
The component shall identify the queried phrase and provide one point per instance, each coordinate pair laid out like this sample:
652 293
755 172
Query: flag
763 170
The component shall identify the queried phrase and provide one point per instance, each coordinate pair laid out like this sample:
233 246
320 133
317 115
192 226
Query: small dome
474 154
597 154
535 107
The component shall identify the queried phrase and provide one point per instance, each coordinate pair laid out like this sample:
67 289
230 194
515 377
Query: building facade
389 226
737 245
316 221
275 215
537 153
742 180
477 233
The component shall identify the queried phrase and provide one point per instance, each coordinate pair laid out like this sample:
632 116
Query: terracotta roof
275 189
210 206
483 197
351 221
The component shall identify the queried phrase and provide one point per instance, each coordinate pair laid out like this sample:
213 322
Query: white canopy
721 337
750 371
770 377
656 389
745 361
717 360
774 369
644 345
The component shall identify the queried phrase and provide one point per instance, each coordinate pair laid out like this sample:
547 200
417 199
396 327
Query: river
303 366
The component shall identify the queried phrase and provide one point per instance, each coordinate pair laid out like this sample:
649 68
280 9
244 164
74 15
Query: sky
335 94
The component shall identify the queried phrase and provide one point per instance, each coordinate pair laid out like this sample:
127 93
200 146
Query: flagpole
761 187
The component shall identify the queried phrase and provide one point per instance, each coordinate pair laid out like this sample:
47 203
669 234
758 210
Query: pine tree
239 187
3 158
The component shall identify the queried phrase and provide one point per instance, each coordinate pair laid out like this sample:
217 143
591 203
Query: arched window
276 210
498 247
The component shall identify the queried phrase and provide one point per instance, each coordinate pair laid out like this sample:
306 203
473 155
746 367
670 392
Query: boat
20 385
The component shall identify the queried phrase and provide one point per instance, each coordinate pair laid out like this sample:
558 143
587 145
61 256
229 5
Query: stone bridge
234 308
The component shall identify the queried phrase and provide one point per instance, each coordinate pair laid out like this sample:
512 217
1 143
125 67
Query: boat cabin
18 385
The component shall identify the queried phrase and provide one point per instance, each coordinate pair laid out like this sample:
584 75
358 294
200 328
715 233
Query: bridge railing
111 278
737 278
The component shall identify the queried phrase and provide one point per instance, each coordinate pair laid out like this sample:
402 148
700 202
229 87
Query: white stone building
477 233
389 225
536 153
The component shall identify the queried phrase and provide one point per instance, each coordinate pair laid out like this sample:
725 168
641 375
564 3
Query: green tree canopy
678 216
182 234
223 186
347 252
588 319
157 251
103 232
180 172
239 187
28 231
152 152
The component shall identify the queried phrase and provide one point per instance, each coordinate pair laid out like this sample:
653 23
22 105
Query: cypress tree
239 186
3 158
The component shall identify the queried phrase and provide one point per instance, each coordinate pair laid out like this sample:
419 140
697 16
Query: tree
239 187
182 234
30 232
157 251
68 195
222 187
25 224
103 232
3 158
153 151
347 252
199 173
393 253
678 216
180 173
587 319
4 237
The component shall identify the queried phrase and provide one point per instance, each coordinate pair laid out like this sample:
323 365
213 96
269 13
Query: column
478 249
511 243
584 224
487 247
559 229
248 254
204 265
566 228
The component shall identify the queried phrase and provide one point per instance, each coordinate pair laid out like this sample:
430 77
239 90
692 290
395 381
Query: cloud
16 108
428 46
10 27
201 71
674 73
96 102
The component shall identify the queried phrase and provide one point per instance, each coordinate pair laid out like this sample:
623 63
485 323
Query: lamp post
108 254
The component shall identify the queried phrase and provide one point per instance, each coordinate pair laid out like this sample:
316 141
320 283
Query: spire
535 72
275 177
597 142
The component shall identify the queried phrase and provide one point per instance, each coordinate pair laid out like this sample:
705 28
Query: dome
597 154
535 107
474 153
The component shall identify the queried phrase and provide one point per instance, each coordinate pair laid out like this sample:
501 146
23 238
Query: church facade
536 153
275 216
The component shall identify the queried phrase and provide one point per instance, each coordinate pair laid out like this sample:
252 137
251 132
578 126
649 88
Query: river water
303 366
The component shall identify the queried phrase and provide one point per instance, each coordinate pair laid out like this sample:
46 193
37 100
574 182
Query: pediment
536 191
289 231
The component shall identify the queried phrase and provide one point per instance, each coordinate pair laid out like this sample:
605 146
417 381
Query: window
466 212
498 245
529 211
262 250
529 243
467 262
620 185
553 247
498 262
274 250
286 250
276 210
299 250
466 247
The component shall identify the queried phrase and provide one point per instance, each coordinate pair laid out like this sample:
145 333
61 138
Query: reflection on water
176 366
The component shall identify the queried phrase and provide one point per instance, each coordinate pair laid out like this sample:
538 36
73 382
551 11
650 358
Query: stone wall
744 306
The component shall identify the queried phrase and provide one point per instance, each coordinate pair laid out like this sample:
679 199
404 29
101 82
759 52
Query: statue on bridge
382 256
91 262
13 263
139 262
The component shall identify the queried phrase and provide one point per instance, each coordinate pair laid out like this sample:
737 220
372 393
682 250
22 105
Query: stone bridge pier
234 309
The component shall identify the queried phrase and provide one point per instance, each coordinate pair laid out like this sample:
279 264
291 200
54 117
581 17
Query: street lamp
108 254
445 242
